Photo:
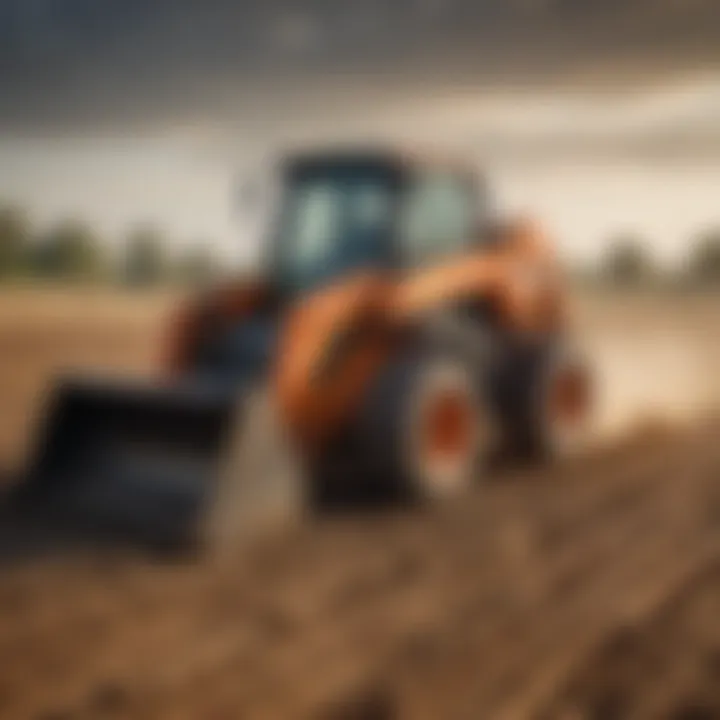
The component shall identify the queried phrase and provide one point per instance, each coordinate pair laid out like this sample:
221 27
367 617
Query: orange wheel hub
447 427
569 397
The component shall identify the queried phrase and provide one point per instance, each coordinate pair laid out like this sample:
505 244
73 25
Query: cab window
438 218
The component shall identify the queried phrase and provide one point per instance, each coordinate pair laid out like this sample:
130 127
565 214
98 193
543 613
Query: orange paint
447 428
315 405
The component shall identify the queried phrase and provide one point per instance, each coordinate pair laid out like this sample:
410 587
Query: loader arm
519 278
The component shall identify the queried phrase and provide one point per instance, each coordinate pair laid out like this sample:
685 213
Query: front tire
424 430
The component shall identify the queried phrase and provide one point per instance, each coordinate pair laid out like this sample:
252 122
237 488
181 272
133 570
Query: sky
601 117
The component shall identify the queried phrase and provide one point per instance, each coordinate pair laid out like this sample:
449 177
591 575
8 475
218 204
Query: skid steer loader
397 333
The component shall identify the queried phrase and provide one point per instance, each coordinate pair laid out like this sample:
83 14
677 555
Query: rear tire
549 403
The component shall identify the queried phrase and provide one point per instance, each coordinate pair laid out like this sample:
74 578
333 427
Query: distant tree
14 239
627 261
196 266
146 261
704 263
69 251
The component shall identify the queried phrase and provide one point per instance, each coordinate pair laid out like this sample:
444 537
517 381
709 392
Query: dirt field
50 332
591 590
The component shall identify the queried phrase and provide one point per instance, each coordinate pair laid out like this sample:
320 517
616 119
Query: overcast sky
601 116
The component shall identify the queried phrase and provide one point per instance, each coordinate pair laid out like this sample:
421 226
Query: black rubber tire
339 479
527 376
388 421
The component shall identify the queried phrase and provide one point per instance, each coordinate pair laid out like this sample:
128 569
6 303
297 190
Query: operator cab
344 212
340 213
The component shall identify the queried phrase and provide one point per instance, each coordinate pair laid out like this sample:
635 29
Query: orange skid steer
397 335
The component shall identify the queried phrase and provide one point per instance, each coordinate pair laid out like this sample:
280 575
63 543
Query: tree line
628 261
72 251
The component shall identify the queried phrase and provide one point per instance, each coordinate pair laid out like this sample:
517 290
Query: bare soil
586 590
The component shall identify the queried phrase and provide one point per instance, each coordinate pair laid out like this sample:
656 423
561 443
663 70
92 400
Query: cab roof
395 158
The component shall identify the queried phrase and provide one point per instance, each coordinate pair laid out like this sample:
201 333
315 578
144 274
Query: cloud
679 120
74 65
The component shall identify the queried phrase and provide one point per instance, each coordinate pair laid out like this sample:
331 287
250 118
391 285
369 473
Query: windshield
333 220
